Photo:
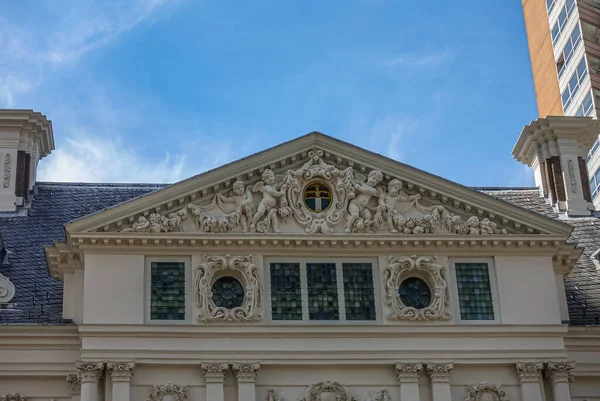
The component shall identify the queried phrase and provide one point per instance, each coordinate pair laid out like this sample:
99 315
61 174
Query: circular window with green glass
415 292
228 293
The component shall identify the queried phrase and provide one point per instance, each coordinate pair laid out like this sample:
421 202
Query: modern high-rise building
564 46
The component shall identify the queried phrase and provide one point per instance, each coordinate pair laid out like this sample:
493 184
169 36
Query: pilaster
89 374
529 374
214 375
408 375
74 386
120 376
245 374
439 373
560 376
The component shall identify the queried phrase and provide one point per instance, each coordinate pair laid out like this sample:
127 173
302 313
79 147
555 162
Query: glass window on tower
550 5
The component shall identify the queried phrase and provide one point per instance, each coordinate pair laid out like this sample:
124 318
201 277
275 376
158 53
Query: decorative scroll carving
426 268
175 392
273 396
245 372
7 290
381 395
74 383
120 371
359 203
528 371
476 391
7 164
214 372
408 372
240 267
314 392
560 371
89 371
13 397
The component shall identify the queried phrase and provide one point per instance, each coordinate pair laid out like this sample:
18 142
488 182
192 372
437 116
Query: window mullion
340 289
304 290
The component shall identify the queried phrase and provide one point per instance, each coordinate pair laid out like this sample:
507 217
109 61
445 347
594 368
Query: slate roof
38 298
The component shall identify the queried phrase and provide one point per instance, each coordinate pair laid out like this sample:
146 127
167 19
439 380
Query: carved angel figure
242 199
267 208
357 209
388 202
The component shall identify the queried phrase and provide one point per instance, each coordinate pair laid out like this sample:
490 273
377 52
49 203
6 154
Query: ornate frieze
476 391
408 372
173 391
560 371
89 371
426 268
74 383
13 397
120 371
214 372
315 392
320 198
7 290
529 371
7 165
242 269
439 372
246 372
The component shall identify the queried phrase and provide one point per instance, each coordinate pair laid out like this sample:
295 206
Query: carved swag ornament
476 391
426 268
177 393
241 268
359 204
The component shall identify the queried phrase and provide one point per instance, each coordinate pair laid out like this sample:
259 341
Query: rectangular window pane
286 291
167 291
474 291
359 294
322 291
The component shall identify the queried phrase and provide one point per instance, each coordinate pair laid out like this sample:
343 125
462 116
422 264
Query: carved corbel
529 371
242 269
439 372
476 391
175 392
560 372
214 372
425 268
408 372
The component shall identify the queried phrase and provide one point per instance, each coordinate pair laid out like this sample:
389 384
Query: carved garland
361 204
426 268
7 160
476 391
178 393
240 267
313 393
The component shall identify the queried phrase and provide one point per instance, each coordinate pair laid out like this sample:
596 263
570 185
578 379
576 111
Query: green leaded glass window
286 291
474 291
321 281
228 293
414 292
167 291
359 294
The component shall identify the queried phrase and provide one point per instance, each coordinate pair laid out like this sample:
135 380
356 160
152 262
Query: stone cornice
29 122
246 372
408 372
89 371
529 371
439 372
214 372
120 371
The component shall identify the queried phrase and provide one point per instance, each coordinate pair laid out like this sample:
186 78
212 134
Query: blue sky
159 90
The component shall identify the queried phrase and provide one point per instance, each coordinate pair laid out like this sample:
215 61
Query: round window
228 293
414 292
317 197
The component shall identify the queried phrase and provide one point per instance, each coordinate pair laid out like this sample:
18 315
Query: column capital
408 372
120 371
214 372
560 372
529 371
89 371
74 383
246 372
439 372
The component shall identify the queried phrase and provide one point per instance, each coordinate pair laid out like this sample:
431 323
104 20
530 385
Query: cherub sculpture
242 199
388 202
358 205
267 208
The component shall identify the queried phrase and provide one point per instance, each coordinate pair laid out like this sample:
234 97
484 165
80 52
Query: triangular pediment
319 185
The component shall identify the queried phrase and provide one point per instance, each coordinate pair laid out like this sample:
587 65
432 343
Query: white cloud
421 60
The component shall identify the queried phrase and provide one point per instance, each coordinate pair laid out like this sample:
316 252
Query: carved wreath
314 392
159 392
242 268
476 391
426 268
